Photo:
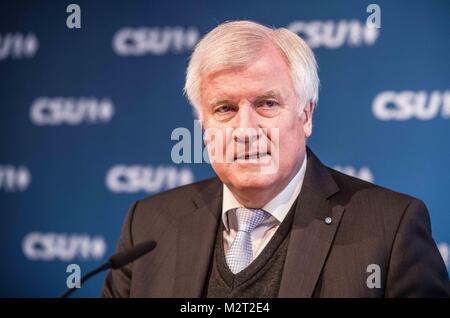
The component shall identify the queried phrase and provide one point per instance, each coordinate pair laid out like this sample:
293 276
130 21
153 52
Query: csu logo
14 179
63 247
18 45
157 41
335 34
129 179
405 105
52 111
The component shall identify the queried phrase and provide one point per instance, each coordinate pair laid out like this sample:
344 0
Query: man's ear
307 118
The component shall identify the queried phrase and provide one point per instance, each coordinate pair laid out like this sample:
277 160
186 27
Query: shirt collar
278 207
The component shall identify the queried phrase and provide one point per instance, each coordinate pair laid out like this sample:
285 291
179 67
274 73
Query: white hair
237 44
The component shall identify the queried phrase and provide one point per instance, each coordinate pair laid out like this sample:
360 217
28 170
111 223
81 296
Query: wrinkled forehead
235 57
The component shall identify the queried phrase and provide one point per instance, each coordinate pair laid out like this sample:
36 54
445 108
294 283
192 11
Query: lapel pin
328 220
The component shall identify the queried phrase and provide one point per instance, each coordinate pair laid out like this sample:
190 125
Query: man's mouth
252 156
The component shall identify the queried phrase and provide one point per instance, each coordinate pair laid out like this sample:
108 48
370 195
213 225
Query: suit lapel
195 243
311 237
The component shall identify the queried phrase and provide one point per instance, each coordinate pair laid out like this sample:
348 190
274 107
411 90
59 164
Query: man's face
255 109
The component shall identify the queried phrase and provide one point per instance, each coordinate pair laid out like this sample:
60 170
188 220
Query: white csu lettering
155 40
72 111
51 246
335 34
18 45
14 178
135 178
405 105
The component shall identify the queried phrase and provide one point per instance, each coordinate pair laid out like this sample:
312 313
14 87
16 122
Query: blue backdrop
86 115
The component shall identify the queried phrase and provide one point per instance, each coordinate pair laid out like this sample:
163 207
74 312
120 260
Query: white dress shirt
278 208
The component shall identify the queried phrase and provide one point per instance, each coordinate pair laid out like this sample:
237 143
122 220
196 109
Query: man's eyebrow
269 94
216 101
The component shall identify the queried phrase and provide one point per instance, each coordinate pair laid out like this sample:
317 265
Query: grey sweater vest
261 279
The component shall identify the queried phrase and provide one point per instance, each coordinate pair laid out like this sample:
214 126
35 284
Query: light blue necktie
240 254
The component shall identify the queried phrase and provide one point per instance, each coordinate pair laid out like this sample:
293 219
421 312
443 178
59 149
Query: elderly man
298 229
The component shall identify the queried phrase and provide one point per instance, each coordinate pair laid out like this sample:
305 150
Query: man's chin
252 181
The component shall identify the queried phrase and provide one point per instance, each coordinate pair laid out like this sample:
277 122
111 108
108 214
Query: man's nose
246 130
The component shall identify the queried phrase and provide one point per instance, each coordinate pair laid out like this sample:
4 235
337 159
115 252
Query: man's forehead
263 67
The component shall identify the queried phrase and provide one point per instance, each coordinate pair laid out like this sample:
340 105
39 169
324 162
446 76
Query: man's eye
224 109
269 103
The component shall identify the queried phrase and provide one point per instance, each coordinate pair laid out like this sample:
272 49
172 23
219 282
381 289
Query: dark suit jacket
370 225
